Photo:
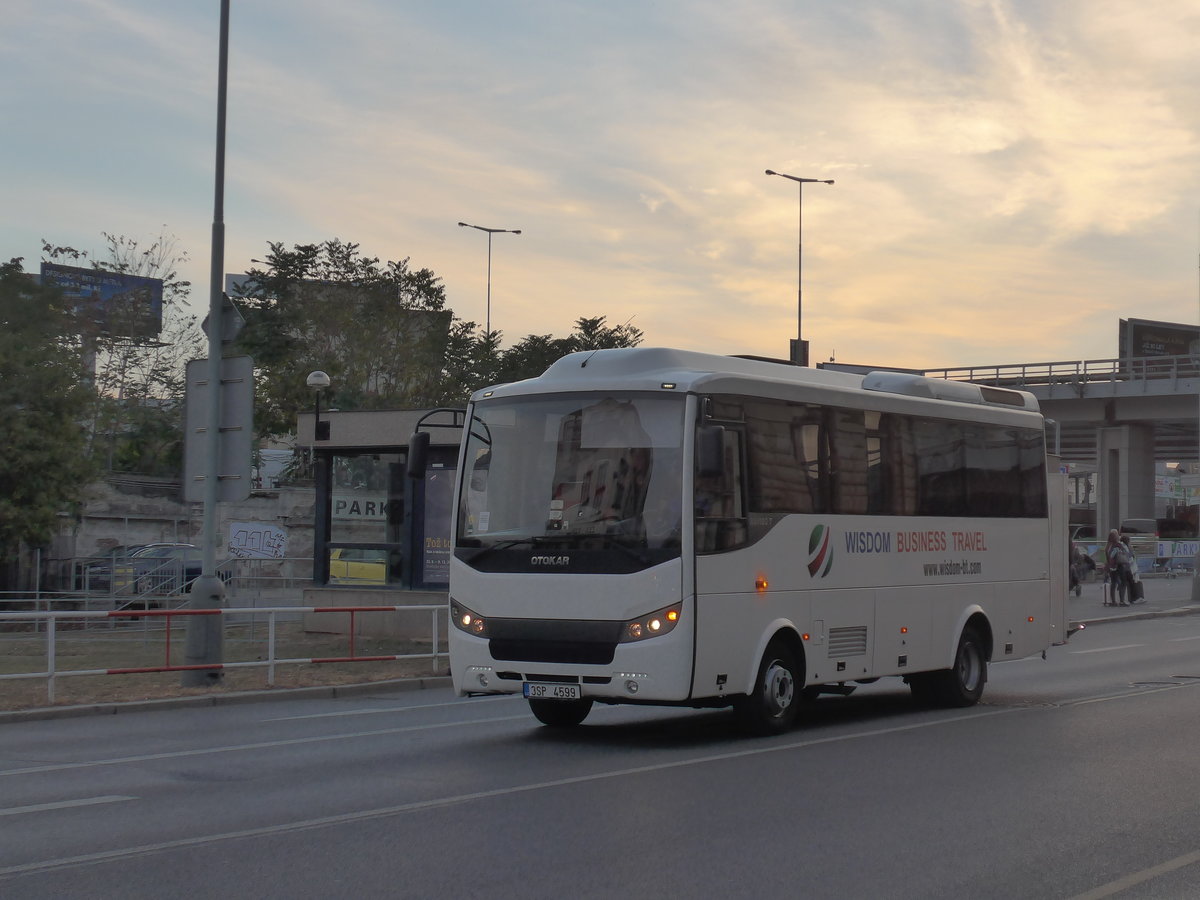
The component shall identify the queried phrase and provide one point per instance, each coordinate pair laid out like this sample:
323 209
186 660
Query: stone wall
142 511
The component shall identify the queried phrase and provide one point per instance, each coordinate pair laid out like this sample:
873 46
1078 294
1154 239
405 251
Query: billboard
112 303
1142 337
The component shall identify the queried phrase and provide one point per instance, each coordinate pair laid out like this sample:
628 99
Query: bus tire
561 713
924 689
772 706
962 684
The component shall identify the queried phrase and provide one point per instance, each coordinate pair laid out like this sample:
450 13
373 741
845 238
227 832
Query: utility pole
205 652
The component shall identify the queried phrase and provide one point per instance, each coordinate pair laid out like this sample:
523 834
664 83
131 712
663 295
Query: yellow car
352 565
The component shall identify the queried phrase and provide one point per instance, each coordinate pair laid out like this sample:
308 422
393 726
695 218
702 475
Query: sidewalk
1164 597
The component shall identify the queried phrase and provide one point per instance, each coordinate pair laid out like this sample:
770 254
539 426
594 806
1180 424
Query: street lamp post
490 231
800 346
318 381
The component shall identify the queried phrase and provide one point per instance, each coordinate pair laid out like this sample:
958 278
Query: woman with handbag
1137 591
1116 559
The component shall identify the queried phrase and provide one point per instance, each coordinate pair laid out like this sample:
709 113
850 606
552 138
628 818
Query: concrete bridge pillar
1125 465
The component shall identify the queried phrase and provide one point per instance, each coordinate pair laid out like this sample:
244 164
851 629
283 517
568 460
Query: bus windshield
573 470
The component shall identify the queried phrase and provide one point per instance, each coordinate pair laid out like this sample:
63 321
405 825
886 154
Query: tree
533 355
380 331
139 382
44 403
383 334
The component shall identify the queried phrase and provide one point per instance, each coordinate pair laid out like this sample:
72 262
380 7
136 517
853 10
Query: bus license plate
535 691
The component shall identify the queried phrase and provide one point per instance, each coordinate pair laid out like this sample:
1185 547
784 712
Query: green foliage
44 402
533 355
139 383
381 332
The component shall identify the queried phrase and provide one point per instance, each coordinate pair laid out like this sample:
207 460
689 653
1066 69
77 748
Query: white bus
665 527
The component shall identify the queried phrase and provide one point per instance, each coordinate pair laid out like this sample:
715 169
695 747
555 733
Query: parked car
95 574
162 569
357 565
1176 529
1139 526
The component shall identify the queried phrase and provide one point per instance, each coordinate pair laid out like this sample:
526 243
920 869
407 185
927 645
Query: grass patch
138 644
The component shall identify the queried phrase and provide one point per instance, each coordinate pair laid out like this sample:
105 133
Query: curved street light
800 346
318 381
490 231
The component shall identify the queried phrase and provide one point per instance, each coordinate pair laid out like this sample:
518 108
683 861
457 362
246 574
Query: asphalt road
1076 778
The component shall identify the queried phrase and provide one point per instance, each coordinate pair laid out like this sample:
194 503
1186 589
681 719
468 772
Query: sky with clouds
1011 176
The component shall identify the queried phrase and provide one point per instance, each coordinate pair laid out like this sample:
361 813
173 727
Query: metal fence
128 583
1076 372
48 623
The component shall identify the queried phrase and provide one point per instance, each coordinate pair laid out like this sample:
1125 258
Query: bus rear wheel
772 706
561 713
961 684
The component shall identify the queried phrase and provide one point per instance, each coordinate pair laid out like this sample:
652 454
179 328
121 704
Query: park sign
111 303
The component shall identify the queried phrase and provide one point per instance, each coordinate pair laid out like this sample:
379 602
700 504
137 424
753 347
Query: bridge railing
1080 372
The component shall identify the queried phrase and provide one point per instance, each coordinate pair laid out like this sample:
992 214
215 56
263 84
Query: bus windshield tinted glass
579 470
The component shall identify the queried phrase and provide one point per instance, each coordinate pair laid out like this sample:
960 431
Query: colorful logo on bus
820 551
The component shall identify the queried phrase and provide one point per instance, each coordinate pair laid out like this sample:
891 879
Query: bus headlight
465 620
655 624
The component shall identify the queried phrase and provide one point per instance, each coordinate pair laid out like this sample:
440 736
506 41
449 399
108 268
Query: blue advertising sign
111 302
439 499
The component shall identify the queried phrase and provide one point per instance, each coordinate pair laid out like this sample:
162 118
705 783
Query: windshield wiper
500 545
632 552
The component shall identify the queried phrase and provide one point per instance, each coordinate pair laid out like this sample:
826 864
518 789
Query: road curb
1139 614
319 692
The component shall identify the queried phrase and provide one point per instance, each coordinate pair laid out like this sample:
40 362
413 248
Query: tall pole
204 633
488 322
1196 558
799 350
802 347
490 231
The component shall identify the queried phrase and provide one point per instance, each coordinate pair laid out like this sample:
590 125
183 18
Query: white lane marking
64 804
1125 695
1195 637
375 711
1136 878
1106 649
476 796
260 745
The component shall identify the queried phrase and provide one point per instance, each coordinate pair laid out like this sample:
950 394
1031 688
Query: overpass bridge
1120 416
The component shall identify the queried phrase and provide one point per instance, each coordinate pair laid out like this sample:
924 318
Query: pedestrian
1076 570
1116 560
1133 581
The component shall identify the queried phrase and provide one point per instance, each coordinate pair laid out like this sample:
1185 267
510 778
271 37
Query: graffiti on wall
257 540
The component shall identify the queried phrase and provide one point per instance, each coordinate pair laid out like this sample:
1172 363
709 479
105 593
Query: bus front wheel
561 713
772 706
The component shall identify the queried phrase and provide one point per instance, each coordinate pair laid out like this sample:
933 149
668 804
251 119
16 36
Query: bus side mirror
418 454
710 451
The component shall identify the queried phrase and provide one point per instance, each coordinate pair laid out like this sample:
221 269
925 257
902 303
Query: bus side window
720 504
848 462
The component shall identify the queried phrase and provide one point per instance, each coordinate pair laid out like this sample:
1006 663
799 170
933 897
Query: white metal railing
51 619
1075 371
125 575
116 583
